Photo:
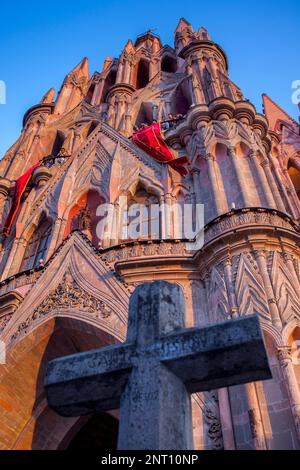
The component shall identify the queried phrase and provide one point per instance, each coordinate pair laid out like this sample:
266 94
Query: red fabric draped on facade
21 184
150 140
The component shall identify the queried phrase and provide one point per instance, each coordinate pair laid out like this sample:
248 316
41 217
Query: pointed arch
58 143
22 381
294 173
182 98
110 80
142 73
82 214
141 218
90 93
38 243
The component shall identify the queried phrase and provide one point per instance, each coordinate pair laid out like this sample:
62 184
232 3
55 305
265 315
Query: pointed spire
82 69
107 62
48 97
274 112
203 34
182 25
129 46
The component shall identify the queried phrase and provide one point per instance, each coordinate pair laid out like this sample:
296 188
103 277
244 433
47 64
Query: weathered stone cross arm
87 382
217 356
151 375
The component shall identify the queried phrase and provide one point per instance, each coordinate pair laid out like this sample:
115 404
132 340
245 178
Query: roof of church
274 112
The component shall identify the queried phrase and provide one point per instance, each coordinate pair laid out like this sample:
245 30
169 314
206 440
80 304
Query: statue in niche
84 218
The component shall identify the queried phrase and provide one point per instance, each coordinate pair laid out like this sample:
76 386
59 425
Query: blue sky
40 42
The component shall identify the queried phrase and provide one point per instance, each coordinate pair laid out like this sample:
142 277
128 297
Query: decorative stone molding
67 295
8 305
208 402
143 249
284 355
251 217
5 185
41 175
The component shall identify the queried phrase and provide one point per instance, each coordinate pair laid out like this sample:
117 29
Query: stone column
295 209
283 190
162 217
263 183
260 256
255 420
197 93
120 72
230 288
56 230
196 198
288 257
240 177
217 196
127 72
285 361
76 140
111 112
4 189
277 197
168 208
226 419
98 92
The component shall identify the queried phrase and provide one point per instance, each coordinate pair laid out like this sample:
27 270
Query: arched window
141 221
109 82
295 177
90 93
58 143
37 246
168 64
142 78
182 98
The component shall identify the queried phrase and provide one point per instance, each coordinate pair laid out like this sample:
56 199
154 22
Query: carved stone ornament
67 295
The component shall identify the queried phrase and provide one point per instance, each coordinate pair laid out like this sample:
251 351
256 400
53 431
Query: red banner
150 139
21 184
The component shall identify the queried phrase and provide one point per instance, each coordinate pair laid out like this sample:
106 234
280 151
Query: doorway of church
100 432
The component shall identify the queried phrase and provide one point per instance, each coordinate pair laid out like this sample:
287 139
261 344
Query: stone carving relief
246 217
67 295
138 250
208 402
250 293
218 306
284 286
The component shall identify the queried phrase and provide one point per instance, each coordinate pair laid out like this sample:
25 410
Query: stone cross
150 377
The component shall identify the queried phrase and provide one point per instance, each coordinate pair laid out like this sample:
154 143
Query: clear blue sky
41 41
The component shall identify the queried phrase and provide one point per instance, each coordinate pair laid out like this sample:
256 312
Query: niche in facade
58 143
168 64
182 98
145 114
295 177
109 82
90 93
142 74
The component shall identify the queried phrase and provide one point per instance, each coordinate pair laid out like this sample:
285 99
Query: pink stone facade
63 289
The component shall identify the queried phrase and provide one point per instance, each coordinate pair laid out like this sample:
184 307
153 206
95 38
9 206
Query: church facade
65 282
